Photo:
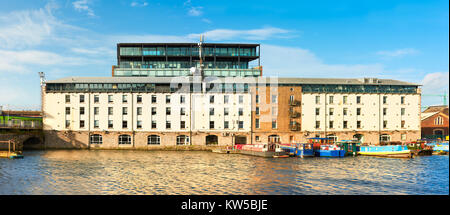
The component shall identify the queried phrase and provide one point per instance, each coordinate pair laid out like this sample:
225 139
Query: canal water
175 172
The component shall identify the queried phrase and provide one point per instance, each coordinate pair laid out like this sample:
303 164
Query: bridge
24 128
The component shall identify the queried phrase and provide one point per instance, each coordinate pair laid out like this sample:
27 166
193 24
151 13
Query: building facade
435 123
155 98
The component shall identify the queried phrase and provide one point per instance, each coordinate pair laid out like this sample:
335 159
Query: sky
402 40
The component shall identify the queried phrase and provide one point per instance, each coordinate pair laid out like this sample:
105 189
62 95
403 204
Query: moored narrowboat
394 151
329 151
351 147
263 150
304 150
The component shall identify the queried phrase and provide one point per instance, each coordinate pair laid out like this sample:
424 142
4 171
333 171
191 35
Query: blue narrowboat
330 151
396 151
304 150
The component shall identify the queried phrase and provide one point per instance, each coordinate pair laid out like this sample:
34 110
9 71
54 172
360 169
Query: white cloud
195 11
398 52
252 34
137 4
82 5
207 20
296 62
435 84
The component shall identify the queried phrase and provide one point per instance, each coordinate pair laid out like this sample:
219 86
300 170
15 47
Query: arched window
96 139
182 140
124 139
154 140
438 121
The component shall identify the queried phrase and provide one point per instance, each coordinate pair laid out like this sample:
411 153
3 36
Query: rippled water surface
151 172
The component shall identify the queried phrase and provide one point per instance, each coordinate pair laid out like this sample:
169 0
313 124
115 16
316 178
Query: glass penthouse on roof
175 59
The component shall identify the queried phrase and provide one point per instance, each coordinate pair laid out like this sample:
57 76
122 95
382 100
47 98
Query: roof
437 108
182 79
190 44
427 115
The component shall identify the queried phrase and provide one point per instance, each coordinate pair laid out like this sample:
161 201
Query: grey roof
279 80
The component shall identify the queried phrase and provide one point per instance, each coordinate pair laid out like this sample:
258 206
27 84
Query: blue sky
404 40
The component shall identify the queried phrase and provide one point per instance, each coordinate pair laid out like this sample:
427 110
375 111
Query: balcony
294 127
139 72
294 103
294 114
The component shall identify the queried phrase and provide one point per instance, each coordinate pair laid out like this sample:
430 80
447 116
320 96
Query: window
331 124
110 111
182 99
110 98
81 98
211 99
317 124
153 140
153 111
358 124
110 124
385 124
211 111
256 123
139 111
403 136
96 139
274 123
67 123
345 124
182 124
257 99
241 125
96 99
274 111
402 100
257 111
139 124
331 111
67 98
317 99
81 123
182 140
168 125
403 123
225 124
124 98
345 111
317 111
384 99
274 99
96 110
384 111
331 98
358 111
167 99
291 98
438 120
256 138
139 99
241 111
403 111
167 110
96 124
345 99
124 124
211 124
226 111
358 99
153 99
124 110
124 139
81 110
241 99
182 111
385 138
225 99
153 123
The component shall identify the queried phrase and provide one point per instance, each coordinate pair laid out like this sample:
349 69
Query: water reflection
152 172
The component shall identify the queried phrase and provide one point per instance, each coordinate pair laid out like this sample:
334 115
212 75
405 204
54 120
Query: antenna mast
200 53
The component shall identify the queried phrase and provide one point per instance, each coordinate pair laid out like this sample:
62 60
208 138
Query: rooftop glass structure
176 59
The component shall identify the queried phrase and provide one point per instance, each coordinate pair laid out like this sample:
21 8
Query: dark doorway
212 140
